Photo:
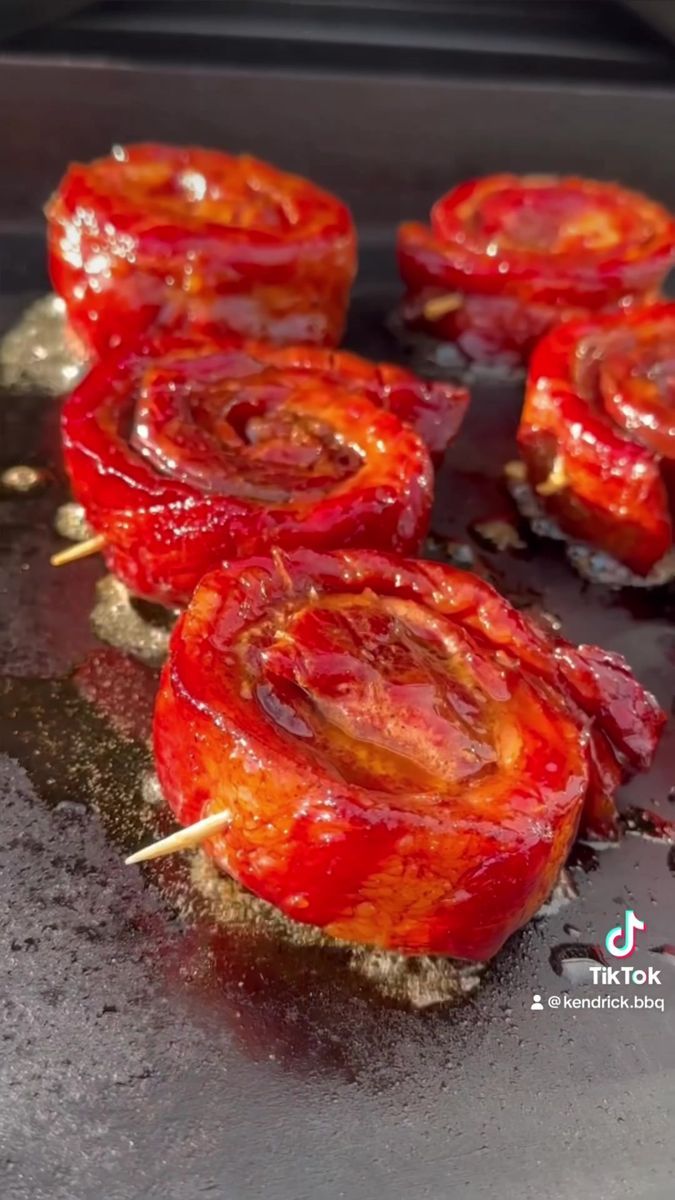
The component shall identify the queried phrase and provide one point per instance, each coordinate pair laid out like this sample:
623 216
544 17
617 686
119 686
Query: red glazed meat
188 452
598 432
403 756
434 408
183 237
506 257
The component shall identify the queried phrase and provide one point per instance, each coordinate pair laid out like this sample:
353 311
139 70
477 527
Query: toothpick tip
183 839
139 855
78 550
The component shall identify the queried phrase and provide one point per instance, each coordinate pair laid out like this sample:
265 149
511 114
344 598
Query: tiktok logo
620 941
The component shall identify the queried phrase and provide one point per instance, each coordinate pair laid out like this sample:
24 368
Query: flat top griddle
143 1059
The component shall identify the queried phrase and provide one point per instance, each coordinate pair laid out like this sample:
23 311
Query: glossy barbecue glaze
506 257
434 408
185 453
598 432
184 237
404 757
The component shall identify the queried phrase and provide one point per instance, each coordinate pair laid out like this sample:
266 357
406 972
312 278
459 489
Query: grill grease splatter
23 480
71 523
40 352
207 899
117 621
416 982
151 790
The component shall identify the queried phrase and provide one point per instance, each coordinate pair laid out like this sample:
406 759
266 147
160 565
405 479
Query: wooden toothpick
78 550
556 481
184 839
440 306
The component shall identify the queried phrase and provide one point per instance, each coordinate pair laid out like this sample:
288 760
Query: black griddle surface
140 1063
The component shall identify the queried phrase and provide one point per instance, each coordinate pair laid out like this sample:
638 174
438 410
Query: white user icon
536 1005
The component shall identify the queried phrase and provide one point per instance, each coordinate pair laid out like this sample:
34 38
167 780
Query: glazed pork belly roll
181 237
597 435
506 257
398 755
185 452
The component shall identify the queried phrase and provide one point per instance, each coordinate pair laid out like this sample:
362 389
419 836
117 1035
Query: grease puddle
39 352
